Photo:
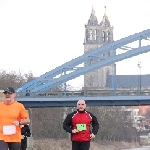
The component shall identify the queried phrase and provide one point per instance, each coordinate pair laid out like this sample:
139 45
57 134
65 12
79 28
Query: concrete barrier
144 140
30 142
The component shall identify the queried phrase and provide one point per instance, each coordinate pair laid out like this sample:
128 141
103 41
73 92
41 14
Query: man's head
9 94
81 105
9 90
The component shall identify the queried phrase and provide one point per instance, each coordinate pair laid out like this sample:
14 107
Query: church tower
97 35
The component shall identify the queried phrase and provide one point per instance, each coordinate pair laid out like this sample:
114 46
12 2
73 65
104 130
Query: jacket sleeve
67 124
95 124
28 133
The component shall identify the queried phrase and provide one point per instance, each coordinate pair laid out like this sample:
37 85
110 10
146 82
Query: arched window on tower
91 35
95 34
107 36
86 35
103 35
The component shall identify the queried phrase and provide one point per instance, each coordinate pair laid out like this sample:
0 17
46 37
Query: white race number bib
9 130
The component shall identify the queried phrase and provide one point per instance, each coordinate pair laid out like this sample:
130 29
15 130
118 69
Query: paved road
142 148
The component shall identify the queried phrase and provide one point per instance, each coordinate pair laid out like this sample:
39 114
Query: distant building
135 116
97 35
129 81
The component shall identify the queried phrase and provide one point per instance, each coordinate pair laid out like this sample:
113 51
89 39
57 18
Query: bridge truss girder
90 101
71 69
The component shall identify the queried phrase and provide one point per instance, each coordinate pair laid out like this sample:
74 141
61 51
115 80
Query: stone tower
97 35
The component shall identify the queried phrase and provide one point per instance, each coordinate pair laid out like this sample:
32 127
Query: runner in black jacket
25 132
78 123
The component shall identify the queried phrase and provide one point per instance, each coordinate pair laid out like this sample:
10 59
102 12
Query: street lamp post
139 77
140 80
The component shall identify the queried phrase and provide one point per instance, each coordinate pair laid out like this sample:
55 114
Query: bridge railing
86 93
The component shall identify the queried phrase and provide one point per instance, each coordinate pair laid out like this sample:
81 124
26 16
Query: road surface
142 148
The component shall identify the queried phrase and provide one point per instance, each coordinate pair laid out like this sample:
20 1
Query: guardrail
86 93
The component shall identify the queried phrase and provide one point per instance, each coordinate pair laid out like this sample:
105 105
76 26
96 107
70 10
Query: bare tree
14 79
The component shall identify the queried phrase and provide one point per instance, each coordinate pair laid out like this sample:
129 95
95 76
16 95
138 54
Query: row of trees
17 79
114 123
14 79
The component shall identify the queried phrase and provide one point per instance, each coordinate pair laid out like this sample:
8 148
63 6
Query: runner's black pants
80 145
11 145
23 146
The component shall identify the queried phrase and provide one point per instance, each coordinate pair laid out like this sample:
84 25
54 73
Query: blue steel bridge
40 95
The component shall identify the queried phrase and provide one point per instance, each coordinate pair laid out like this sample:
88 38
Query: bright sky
39 35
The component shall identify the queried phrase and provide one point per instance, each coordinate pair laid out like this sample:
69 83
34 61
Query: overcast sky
39 35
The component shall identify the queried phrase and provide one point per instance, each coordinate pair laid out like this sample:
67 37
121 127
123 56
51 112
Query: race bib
22 137
81 127
9 130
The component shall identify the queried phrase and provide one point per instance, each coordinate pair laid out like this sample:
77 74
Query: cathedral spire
105 11
93 12
93 19
105 22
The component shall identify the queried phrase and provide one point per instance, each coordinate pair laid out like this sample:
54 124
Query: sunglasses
7 93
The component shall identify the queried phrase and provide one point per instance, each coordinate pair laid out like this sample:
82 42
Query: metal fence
85 93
